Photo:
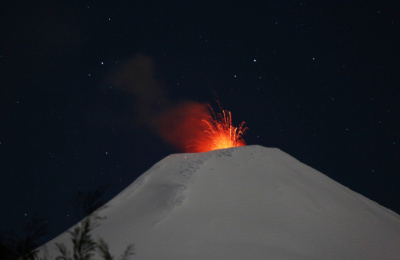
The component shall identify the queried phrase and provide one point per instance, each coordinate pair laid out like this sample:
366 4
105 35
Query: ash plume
176 123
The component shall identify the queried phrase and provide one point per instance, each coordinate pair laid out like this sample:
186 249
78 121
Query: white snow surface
241 203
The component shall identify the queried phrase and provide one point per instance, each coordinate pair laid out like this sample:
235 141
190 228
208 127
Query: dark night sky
318 79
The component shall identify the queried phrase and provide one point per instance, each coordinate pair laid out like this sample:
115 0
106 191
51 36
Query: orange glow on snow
218 133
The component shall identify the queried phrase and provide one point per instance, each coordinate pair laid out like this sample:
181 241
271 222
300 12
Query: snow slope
241 203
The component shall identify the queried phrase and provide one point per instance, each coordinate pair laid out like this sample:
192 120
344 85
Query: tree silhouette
86 203
84 247
14 246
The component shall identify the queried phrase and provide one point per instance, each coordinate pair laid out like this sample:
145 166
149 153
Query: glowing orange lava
219 133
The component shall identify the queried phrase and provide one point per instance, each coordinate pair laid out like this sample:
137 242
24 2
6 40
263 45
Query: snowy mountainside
247 202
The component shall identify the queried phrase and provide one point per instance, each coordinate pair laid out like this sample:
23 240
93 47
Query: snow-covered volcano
241 203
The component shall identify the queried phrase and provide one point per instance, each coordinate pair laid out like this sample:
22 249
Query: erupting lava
219 133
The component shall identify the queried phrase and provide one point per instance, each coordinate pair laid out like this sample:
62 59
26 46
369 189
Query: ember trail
219 133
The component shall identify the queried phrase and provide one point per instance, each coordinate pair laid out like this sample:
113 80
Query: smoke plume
177 124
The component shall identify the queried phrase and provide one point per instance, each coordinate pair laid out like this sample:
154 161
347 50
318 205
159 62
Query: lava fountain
218 133
194 127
